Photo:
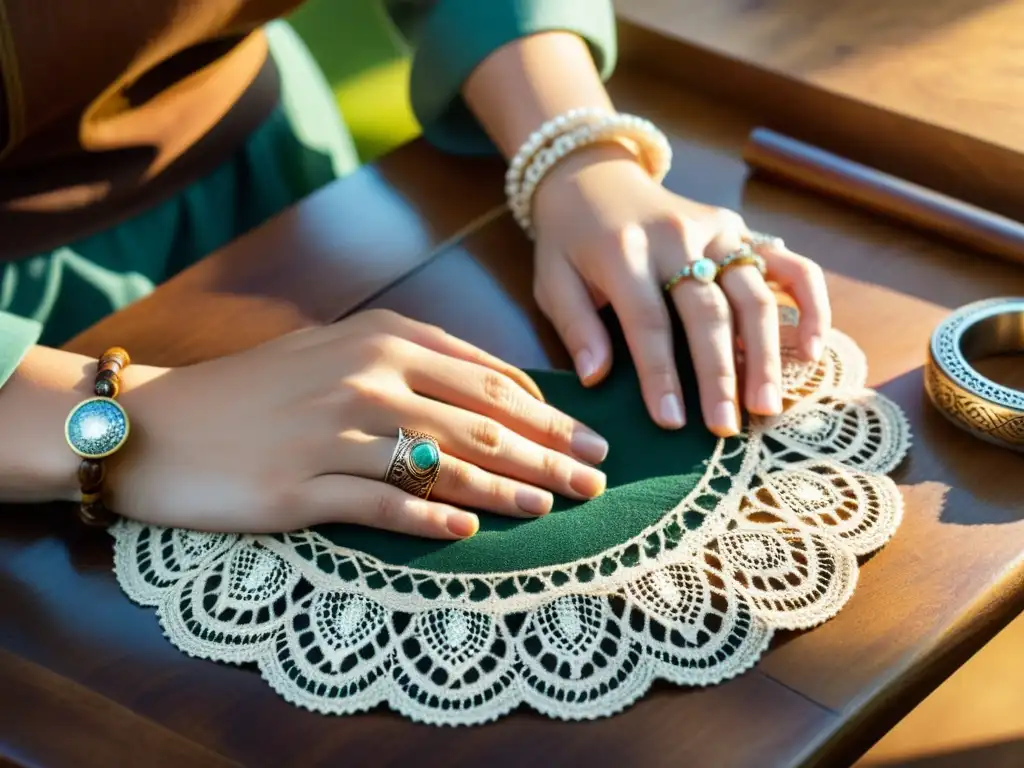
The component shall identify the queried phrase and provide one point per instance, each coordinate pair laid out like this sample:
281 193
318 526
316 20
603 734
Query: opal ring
415 464
702 270
975 403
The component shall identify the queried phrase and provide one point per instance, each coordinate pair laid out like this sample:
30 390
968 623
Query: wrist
35 461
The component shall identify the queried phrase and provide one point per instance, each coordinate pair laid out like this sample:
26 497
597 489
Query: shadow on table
963 465
1004 754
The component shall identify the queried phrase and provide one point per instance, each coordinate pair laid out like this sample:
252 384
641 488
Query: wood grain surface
949 580
784 159
928 90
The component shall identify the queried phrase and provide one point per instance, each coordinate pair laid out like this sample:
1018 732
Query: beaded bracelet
560 137
96 428
540 138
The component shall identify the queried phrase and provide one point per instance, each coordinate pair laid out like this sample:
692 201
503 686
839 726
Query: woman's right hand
300 431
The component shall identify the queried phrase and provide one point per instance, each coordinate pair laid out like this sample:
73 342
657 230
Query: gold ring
702 270
742 256
973 402
415 463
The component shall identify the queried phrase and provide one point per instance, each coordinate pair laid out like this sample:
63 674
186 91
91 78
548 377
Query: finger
359 501
491 445
458 482
805 281
488 392
754 306
635 293
708 323
565 300
709 332
434 338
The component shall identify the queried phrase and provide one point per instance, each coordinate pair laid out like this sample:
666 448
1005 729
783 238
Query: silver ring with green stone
415 464
96 427
703 271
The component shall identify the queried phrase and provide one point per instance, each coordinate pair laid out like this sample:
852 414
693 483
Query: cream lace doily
787 510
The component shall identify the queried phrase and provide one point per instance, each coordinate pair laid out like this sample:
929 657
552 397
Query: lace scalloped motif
793 503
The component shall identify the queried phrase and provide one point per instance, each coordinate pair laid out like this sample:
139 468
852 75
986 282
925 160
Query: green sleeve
17 335
451 37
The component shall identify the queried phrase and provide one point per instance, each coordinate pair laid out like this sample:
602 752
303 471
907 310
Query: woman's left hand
607 233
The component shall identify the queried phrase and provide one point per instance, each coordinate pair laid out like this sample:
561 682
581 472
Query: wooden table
929 90
86 678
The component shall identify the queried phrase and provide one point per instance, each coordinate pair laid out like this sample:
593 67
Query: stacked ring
742 256
703 271
415 463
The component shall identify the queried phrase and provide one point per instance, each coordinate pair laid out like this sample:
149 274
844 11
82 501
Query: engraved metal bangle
975 403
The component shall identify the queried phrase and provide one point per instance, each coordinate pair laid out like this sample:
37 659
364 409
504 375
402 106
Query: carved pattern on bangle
974 414
981 406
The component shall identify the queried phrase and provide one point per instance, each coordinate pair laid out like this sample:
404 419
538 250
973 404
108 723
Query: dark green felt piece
649 471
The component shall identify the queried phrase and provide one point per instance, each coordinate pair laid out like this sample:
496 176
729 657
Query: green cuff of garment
17 335
459 34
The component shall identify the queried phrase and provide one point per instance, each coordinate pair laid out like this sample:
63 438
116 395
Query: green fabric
17 335
457 35
650 470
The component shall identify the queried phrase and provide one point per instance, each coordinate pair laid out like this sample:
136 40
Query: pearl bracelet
563 135
547 133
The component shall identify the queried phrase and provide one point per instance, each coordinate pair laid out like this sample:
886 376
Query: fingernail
586 368
534 501
589 446
463 524
671 411
816 348
588 482
723 418
768 400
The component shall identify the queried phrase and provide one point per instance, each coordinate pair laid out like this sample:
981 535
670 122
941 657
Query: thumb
563 297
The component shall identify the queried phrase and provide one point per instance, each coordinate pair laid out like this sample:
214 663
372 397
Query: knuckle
677 225
279 503
575 329
356 390
711 307
809 270
649 318
624 239
460 476
487 436
430 331
762 301
498 391
558 428
555 468
718 384
378 346
729 219
387 511
718 374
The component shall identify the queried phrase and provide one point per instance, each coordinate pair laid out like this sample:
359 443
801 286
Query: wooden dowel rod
808 166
